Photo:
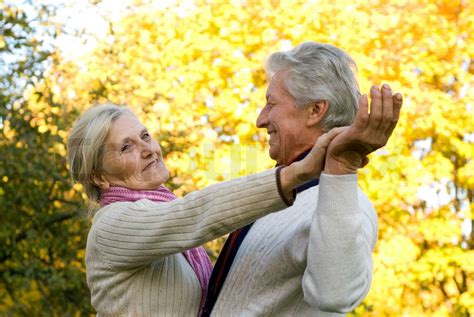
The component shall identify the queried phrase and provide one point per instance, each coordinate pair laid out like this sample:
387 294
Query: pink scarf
197 257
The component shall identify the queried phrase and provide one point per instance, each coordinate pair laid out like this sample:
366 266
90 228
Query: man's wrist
339 168
346 163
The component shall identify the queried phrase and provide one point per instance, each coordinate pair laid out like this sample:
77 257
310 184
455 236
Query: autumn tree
193 72
43 229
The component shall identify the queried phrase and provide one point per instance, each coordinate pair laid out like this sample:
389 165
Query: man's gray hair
316 72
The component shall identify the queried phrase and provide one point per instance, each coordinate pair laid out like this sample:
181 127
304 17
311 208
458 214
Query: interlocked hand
370 131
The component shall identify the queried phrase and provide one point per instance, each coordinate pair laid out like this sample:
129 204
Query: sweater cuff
338 194
288 202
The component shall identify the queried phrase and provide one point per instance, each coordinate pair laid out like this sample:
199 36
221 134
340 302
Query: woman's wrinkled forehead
125 127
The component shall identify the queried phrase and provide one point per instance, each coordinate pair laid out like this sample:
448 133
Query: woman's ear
100 181
316 112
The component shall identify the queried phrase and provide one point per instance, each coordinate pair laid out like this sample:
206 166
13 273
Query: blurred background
193 72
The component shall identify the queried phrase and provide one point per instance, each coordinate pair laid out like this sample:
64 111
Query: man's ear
316 112
100 181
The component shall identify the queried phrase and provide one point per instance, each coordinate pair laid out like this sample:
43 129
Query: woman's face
132 158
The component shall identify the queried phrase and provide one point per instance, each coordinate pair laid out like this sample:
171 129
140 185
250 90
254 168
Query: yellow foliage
7 131
194 74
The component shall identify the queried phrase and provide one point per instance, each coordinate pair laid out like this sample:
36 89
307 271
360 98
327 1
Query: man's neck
299 156
302 149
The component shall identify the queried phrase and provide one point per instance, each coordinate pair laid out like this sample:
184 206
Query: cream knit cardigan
311 259
133 256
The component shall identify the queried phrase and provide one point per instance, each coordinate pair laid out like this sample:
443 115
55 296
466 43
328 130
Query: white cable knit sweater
133 255
312 259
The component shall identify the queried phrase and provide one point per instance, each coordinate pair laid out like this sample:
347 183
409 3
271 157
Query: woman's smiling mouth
152 163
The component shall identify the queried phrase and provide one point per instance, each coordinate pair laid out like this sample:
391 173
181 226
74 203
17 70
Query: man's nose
262 119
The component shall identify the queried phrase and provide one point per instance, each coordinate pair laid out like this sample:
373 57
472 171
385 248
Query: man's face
285 123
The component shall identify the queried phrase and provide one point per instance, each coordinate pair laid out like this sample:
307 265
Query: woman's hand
370 131
311 166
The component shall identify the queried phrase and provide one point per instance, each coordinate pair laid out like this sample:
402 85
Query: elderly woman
143 256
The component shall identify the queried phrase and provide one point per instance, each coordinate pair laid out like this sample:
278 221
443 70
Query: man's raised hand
370 131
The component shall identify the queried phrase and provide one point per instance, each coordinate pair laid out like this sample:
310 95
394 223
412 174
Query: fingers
312 165
376 113
397 105
362 116
387 107
324 140
318 152
398 101
384 111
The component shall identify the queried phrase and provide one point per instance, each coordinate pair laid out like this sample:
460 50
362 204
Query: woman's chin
156 178
147 185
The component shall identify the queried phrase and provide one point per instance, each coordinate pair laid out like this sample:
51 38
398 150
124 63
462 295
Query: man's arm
338 275
344 227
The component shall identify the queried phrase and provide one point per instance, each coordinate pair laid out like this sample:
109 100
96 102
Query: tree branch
51 220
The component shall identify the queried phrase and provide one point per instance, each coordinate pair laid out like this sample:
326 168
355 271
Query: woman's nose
145 149
148 148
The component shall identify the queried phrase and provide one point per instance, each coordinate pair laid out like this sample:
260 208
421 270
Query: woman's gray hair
315 72
85 145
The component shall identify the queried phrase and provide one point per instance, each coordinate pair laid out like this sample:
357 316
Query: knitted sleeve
343 234
129 235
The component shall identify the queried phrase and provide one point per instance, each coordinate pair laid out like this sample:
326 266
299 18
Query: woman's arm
133 234
130 234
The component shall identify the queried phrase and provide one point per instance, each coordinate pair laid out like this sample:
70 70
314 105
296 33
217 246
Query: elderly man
315 257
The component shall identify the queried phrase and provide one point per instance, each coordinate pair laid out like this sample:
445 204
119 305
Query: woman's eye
125 147
146 136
